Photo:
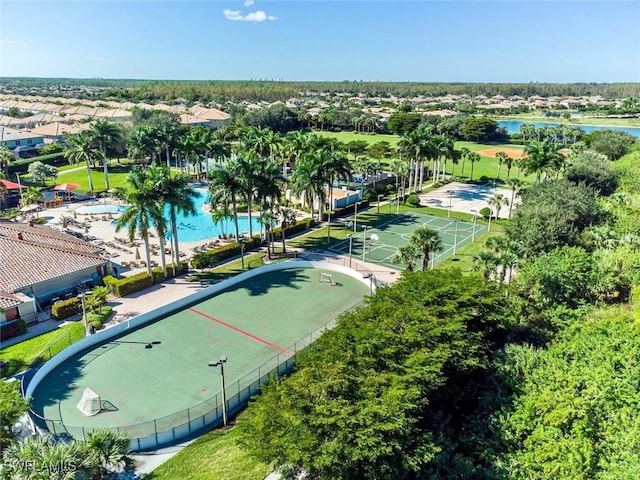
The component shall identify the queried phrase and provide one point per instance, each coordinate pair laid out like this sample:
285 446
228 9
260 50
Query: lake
513 126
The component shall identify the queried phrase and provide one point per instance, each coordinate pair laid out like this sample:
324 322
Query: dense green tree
376 397
612 143
479 129
278 118
40 172
577 411
12 406
552 214
402 123
594 170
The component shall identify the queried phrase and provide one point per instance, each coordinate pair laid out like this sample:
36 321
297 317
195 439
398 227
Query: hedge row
21 165
97 320
124 286
13 329
66 308
215 255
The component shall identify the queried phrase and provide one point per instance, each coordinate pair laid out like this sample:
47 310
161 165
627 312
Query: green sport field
379 244
156 372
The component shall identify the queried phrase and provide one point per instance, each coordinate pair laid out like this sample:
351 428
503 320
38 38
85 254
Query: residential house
38 264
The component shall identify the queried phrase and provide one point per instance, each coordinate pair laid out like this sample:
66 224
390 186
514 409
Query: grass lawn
463 258
214 456
226 270
347 137
35 350
117 177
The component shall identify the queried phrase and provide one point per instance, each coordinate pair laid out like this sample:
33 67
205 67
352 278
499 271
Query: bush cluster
97 320
124 286
66 308
12 329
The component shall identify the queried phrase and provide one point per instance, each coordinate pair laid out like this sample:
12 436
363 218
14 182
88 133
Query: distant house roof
8 134
57 129
34 254
209 113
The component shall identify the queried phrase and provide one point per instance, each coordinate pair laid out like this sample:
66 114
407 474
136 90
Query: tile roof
8 300
42 254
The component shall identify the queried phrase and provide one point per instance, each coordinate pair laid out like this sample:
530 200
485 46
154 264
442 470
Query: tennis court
150 377
379 244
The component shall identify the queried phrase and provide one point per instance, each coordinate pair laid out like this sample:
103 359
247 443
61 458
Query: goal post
90 403
327 278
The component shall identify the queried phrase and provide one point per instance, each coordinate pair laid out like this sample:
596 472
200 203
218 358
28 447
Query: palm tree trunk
147 250
106 168
90 177
235 219
163 260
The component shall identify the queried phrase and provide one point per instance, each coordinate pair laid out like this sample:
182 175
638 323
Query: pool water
200 226
100 209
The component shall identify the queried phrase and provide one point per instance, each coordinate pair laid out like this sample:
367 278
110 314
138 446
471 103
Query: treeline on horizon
256 90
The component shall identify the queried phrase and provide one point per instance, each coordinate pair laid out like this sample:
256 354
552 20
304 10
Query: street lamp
220 363
378 211
241 242
350 247
80 297
364 244
450 192
473 234
355 218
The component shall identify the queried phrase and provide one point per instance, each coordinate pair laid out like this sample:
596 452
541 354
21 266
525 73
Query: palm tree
105 134
516 184
107 448
31 196
80 149
225 189
34 458
220 214
400 169
487 261
143 209
540 156
464 154
5 158
288 216
473 157
407 255
496 203
307 182
426 241
176 192
502 158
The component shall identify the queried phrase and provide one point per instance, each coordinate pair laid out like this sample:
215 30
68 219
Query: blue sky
449 41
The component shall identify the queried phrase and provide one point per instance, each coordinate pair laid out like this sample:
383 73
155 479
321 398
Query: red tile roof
41 254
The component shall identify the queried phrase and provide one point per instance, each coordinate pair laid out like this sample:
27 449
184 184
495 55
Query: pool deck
99 228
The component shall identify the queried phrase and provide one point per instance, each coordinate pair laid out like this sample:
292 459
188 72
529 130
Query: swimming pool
192 228
100 209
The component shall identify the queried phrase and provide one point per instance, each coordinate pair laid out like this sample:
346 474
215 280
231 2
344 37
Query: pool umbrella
66 187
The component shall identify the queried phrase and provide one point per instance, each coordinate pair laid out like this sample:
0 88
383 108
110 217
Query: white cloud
18 43
97 59
258 16
248 3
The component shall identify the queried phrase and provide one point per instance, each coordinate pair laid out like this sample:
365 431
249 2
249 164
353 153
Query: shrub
370 195
124 286
66 308
483 180
12 329
97 320
413 200
485 212
390 188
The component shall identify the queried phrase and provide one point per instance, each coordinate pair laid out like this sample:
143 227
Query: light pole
242 252
220 363
473 234
355 218
350 247
80 297
455 239
364 242
450 192
378 212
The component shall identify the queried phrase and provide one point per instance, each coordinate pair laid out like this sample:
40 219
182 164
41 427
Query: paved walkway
464 197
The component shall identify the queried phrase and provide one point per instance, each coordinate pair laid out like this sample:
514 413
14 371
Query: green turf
38 349
347 137
380 243
273 310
